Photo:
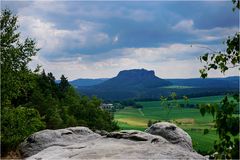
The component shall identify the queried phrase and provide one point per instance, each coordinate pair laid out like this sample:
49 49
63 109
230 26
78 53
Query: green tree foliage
226 123
17 124
63 85
219 60
15 56
31 101
88 113
61 106
150 122
171 102
17 81
222 60
236 4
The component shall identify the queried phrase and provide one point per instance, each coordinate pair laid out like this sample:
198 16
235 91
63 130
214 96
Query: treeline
152 94
31 100
190 93
131 103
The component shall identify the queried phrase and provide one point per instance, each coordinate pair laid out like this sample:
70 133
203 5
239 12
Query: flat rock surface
82 143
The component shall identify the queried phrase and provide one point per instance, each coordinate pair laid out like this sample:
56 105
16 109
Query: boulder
61 137
82 143
172 133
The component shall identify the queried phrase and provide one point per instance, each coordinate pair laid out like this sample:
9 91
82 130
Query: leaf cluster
227 125
236 4
17 124
222 60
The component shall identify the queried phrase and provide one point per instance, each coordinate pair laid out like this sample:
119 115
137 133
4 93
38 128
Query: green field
188 119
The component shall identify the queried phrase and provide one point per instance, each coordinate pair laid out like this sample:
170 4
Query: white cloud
169 61
84 10
54 41
184 25
167 52
216 33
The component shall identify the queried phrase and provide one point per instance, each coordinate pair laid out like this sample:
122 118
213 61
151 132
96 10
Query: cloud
96 39
112 10
217 33
87 10
167 61
163 53
43 8
110 68
184 25
66 29
177 51
58 42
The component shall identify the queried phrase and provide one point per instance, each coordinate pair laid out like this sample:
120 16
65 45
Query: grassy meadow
188 119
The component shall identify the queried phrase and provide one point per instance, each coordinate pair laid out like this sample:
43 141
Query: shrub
17 124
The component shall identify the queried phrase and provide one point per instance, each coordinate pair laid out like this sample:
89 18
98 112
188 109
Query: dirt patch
185 121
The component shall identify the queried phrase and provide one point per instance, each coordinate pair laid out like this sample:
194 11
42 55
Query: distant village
113 107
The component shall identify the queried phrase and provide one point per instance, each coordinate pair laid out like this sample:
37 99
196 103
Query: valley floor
188 119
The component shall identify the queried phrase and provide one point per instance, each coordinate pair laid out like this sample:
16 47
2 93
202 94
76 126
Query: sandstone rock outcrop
82 143
172 133
50 138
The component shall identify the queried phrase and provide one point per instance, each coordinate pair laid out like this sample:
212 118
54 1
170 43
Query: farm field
188 119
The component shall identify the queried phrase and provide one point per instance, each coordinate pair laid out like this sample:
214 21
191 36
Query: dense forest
32 100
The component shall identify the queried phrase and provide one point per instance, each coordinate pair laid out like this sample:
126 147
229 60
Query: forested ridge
32 100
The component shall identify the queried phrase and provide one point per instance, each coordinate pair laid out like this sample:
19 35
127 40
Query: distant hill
87 82
127 84
136 79
143 84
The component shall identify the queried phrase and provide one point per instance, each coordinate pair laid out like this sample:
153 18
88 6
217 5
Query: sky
97 39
